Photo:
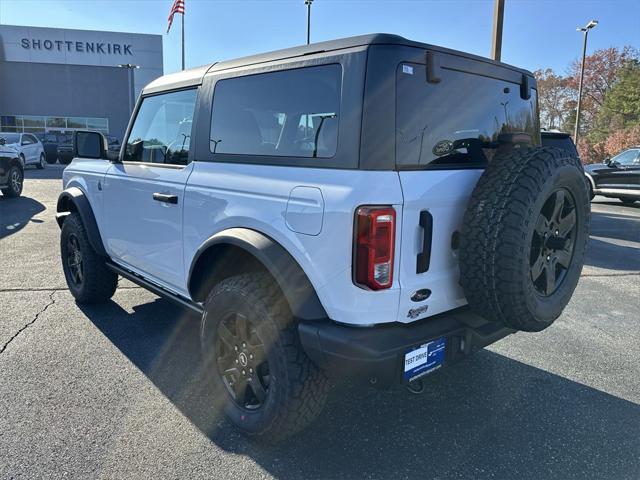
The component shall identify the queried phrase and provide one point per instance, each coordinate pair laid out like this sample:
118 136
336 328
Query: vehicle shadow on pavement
606 251
487 417
50 172
15 213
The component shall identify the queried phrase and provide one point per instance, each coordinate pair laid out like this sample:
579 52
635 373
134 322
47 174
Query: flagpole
183 41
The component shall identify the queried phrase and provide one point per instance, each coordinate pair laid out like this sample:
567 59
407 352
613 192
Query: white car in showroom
28 147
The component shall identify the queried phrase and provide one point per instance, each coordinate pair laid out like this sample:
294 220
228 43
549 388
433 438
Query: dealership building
57 80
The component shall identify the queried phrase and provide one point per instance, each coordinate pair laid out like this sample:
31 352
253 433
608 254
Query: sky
537 33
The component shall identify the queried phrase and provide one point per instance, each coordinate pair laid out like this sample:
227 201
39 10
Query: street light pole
308 4
132 95
584 30
498 17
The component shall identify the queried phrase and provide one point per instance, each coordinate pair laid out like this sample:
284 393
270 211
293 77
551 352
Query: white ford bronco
371 207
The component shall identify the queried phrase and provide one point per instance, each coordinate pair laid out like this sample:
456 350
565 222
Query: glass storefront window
76 122
41 124
33 121
56 122
97 123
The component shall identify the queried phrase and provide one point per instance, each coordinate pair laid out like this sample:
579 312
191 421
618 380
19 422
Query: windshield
10 137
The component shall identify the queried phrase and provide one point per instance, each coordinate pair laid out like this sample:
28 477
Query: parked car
65 148
29 148
371 207
50 143
11 171
559 140
617 177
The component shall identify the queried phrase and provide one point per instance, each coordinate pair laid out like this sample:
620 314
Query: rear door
447 126
144 193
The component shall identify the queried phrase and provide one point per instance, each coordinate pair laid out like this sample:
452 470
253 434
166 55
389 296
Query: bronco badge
416 312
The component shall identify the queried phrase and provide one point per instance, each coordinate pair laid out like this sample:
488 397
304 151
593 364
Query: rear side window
161 132
459 121
292 113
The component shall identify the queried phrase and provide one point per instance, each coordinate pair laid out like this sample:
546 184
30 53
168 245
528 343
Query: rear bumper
377 353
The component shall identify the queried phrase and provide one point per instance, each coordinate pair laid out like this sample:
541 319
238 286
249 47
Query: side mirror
2 141
87 144
607 161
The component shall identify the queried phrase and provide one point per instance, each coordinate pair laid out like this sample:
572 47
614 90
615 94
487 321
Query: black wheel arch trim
74 199
291 278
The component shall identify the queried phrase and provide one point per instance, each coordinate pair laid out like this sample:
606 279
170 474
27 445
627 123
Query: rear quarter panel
222 195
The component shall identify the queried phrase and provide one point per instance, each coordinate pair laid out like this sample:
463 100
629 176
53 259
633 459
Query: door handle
166 198
424 257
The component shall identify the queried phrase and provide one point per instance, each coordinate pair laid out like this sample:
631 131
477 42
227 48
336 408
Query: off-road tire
13 190
498 231
98 282
298 391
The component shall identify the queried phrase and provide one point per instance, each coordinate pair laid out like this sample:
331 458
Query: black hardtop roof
194 76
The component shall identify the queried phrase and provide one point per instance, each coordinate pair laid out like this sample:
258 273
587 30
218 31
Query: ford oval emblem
443 147
421 295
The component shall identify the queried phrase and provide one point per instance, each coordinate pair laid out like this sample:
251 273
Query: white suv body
28 147
308 211
323 188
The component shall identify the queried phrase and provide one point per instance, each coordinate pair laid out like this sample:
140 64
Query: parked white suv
28 147
370 207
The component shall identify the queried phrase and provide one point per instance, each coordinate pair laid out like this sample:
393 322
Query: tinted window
626 158
565 143
460 120
161 132
292 113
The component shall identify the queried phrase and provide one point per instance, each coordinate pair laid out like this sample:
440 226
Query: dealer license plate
424 359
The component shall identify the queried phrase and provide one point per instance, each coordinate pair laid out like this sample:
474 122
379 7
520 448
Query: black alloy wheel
74 260
242 361
553 242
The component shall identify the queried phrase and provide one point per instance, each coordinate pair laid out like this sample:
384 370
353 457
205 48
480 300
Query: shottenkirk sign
69 46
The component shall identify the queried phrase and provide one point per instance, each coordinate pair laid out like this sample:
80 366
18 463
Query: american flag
178 7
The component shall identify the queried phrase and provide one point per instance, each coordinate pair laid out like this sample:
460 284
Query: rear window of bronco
459 121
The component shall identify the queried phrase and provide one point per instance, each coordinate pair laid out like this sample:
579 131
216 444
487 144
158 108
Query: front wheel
42 163
16 180
254 361
88 278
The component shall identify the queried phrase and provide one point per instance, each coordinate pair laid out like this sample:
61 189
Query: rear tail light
374 246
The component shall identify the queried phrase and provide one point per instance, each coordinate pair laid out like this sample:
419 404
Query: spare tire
524 237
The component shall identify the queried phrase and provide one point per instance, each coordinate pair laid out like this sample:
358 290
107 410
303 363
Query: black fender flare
73 199
291 278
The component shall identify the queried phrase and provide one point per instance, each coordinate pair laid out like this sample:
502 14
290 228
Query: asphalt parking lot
112 391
